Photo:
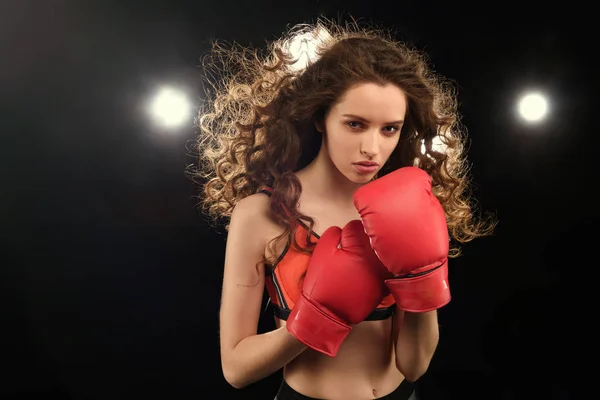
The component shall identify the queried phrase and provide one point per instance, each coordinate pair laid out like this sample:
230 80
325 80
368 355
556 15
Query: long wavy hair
258 129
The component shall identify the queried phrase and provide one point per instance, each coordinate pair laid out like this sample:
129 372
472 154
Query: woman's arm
259 356
416 338
245 356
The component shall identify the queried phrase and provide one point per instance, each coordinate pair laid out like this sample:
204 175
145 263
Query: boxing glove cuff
423 292
315 328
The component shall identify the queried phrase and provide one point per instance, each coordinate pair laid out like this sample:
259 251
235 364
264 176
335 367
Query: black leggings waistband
405 391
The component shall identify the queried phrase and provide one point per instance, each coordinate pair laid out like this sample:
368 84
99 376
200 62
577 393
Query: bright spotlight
533 107
170 107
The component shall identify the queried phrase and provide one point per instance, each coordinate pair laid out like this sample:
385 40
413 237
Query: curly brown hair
259 129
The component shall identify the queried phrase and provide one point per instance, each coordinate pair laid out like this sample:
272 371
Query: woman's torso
364 366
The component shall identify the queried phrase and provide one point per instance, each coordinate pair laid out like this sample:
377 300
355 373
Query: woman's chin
360 179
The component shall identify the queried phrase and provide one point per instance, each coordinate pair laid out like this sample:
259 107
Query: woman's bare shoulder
251 229
254 212
257 202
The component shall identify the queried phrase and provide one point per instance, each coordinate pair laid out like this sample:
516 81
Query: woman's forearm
259 356
417 338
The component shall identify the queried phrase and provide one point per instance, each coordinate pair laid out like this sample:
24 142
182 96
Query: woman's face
363 128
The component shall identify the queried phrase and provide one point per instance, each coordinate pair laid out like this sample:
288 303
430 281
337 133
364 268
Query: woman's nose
370 144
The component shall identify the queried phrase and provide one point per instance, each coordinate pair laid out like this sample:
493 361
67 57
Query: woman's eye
387 129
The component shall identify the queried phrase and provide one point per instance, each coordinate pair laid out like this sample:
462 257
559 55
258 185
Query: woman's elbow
413 371
412 376
234 383
232 376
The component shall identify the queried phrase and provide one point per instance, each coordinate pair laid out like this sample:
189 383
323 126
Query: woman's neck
322 180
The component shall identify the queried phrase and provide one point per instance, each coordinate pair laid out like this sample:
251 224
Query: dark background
111 279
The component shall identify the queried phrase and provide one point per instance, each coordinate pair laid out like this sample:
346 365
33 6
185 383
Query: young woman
337 199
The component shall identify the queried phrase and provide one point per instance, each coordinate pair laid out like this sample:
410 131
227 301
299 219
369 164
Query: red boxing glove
408 231
344 283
